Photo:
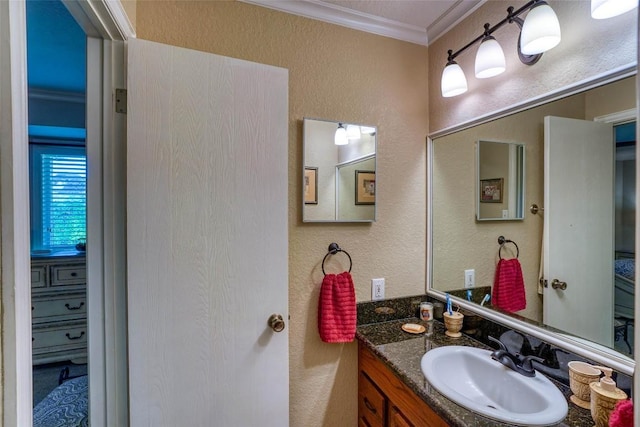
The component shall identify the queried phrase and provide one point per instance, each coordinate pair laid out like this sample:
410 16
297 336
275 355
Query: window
58 196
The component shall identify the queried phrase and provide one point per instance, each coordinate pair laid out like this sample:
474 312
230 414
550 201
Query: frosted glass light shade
603 9
540 30
490 59
341 136
453 80
353 132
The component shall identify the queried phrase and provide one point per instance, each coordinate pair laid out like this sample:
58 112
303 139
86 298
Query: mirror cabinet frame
576 345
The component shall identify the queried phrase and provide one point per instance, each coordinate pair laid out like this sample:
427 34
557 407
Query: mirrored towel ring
534 209
334 249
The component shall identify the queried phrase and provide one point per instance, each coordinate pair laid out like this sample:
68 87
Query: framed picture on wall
491 190
365 187
310 185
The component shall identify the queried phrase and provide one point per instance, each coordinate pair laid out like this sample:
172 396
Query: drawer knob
369 405
74 274
76 337
77 307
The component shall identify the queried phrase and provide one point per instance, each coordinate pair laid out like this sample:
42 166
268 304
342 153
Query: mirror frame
576 345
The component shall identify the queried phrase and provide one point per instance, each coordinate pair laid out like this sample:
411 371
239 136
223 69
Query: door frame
108 28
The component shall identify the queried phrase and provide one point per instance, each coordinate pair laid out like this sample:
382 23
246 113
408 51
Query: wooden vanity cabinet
385 401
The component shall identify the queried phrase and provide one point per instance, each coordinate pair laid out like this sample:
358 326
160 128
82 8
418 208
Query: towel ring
502 241
334 249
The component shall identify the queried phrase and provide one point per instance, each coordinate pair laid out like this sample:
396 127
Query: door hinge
121 101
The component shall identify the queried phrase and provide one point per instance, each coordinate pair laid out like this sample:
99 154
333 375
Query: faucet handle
502 346
525 362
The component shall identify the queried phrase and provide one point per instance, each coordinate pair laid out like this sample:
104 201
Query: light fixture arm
512 17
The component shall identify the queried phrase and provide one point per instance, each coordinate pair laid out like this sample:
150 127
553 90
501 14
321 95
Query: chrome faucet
516 362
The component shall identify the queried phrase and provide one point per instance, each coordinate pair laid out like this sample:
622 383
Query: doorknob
556 284
276 322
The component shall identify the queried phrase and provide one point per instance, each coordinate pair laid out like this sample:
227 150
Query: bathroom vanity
392 391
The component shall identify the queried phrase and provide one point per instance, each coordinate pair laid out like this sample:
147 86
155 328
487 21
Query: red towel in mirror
337 308
508 286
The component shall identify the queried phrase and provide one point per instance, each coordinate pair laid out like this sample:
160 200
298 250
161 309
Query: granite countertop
402 353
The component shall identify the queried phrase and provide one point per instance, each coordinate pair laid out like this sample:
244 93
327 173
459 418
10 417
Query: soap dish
413 328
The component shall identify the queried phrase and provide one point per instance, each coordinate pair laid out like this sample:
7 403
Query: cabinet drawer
59 338
371 403
38 277
396 419
73 274
56 308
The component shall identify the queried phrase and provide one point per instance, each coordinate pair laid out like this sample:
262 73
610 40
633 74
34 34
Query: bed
66 406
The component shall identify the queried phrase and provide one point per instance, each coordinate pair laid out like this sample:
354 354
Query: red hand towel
337 308
508 286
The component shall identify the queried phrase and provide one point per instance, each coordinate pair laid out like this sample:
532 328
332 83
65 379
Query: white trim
101 18
619 117
14 181
53 95
357 159
334 14
95 266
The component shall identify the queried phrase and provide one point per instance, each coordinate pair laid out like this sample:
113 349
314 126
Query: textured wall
588 48
338 74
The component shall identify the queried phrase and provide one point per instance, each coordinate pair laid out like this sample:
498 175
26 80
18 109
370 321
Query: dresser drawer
74 274
56 308
38 277
59 338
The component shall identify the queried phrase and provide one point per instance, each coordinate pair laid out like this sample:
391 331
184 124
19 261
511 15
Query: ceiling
416 21
56 44
56 48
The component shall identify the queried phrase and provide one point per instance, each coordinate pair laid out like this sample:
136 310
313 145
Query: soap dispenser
604 396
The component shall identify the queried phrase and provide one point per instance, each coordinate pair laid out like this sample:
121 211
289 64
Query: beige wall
337 74
589 48
460 242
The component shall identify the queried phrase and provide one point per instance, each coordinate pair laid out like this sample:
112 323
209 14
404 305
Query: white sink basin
472 379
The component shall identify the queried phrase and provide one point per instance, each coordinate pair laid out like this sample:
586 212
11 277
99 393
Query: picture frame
491 190
310 185
365 187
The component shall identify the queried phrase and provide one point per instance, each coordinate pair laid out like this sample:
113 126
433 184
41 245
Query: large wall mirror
584 238
339 175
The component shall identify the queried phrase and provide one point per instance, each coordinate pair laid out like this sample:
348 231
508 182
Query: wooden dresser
59 309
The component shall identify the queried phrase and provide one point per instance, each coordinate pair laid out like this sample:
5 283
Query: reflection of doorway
625 211
57 173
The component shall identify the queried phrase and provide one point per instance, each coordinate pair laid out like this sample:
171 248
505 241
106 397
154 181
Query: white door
207 239
579 227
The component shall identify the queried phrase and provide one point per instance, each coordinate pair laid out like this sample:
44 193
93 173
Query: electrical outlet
377 289
469 278
505 213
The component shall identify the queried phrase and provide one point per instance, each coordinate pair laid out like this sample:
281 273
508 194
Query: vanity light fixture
603 9
340 137
353 132
539 32
490 59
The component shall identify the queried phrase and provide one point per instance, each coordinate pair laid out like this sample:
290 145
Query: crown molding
58 96
350 18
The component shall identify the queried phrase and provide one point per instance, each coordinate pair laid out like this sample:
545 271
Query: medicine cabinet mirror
500 180
339 172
